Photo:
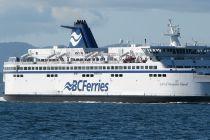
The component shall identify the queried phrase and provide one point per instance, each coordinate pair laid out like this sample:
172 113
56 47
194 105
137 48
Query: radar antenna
174 34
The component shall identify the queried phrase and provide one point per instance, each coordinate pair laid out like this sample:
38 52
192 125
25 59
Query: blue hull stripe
156 71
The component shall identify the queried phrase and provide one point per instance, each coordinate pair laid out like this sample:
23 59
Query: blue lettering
89 87
84 85
80 85
74 85
106 87
102 86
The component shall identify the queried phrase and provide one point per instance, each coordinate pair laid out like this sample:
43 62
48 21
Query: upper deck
83 50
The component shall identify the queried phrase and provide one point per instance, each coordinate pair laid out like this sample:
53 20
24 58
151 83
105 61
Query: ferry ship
130 73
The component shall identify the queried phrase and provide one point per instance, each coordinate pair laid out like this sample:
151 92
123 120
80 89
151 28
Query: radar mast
174 34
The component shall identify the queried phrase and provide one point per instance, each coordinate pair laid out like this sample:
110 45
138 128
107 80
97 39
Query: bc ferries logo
84 85
75 38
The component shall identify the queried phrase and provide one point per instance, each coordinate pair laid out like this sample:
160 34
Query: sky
38 21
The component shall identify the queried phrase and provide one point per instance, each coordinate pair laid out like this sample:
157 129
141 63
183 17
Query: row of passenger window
18 75
92 75
116 75
9 68
205 67
97 67
52 75
157 75
87 75
87 68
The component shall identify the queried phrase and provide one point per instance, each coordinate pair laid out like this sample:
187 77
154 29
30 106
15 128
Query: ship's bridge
187 52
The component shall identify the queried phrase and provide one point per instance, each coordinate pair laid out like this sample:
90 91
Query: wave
2 99
75 38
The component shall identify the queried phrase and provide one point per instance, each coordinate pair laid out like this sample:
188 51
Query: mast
174 34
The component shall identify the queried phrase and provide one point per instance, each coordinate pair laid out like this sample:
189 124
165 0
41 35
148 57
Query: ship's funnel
81 36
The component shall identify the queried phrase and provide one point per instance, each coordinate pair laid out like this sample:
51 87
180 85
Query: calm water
104 121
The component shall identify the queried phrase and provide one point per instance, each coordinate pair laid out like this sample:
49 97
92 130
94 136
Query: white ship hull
133 86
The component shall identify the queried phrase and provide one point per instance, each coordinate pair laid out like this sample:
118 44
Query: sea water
91 120
104 121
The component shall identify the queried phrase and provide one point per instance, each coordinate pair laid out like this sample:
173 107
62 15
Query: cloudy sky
38 21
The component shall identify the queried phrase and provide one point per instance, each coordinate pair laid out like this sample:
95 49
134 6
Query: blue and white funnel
81 36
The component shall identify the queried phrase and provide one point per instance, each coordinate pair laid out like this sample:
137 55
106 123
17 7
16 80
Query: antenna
174 34
195 42
121 41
